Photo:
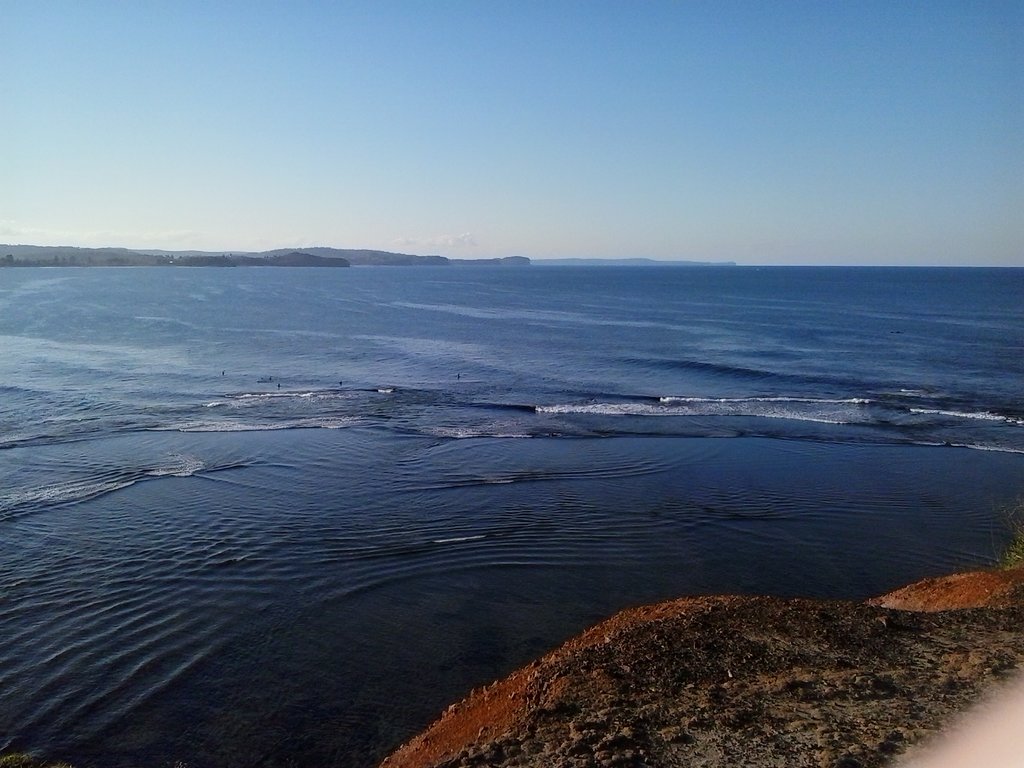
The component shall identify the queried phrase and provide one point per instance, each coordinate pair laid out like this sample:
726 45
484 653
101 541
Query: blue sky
774 132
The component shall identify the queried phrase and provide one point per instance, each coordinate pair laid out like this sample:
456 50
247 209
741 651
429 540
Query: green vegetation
1013 555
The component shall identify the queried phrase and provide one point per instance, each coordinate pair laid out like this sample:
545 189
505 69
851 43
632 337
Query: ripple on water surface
346 584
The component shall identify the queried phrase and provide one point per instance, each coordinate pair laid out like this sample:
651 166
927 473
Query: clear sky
761 132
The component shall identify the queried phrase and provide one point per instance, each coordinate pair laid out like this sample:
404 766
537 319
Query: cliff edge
724 681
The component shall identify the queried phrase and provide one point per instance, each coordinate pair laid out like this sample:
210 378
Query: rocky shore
725 681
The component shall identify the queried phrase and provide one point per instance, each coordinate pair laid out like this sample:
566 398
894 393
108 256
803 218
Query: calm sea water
283 517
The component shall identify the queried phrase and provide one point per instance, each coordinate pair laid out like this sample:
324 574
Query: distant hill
317 256
358 257
390 259
68 256
506 261
288 259
292 259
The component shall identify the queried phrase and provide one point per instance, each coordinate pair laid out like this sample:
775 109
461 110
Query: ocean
283 517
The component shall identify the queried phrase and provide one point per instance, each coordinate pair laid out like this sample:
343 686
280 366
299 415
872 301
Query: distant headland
633 262
318 256
69 256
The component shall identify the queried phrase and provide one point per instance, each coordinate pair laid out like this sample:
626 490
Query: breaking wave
979 416
972 446
268 426
780 399
829 411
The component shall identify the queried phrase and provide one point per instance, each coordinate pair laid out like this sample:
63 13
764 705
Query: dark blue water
282 517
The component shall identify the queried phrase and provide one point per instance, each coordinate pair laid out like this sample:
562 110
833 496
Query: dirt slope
725 681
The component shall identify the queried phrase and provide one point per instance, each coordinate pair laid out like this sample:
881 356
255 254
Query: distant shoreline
70 256
318 256
631 262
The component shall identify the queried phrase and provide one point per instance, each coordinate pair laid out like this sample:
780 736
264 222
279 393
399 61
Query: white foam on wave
749 407
996 448
182 466
303 394
334 423
974 447
263 395
979 415
804 417
104 481
62 493
608 409
339 422
771 399
218 426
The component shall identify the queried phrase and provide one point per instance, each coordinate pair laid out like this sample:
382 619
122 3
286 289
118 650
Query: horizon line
650 260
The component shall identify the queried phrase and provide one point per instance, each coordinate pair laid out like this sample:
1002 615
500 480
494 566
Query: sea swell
906 414
84 484
733 372
902 419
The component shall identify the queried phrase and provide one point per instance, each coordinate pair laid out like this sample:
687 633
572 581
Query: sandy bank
723 681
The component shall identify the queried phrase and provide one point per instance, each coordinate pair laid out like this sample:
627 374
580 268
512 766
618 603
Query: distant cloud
28 235
465 240
457 241
11 229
